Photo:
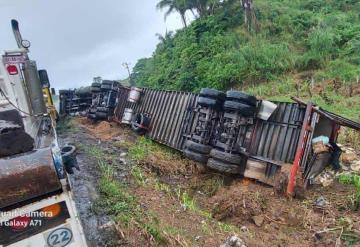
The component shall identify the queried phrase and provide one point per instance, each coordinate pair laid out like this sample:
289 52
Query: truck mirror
44 79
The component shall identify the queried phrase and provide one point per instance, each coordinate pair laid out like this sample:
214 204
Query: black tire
92 115
96 84
106 87
226 157
242 97
102 109
212 93
198 147
207 102
201 158
141 124
223 167
95 89
243 109
107 82
101 115
92 110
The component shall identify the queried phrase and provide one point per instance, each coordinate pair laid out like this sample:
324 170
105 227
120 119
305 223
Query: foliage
352 179
217 49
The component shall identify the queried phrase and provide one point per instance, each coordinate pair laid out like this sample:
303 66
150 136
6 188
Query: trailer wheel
226 157
101 115
106 87
243 109
207 102
92 110
223 167
201 158
92 115
212 93
96 84
95 89
242 97
107 82
141 124
102 109
198 147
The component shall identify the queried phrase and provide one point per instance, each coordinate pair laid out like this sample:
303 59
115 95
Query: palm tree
179 6
199 5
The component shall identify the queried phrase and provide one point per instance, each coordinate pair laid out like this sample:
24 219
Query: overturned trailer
211 131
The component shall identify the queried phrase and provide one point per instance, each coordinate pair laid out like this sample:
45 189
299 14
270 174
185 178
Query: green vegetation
145 146
352 179
276 48
66 126
117 200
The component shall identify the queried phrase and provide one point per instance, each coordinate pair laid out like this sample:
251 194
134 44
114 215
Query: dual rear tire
197 151
226 162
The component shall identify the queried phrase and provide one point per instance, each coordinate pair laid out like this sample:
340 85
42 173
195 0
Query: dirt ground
197 207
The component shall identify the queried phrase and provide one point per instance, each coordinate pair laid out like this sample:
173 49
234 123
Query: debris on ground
321 202
233 241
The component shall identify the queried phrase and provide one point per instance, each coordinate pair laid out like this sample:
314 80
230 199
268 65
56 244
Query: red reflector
20 223
12 69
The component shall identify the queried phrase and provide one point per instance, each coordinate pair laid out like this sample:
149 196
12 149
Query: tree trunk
183 18
193 12
249 16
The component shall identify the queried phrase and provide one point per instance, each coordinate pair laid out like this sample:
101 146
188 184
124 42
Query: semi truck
37 207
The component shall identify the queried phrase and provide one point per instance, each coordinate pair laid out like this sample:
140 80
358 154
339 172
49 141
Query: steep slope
309 48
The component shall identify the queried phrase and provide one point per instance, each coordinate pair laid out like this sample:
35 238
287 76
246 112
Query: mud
101 130
98 229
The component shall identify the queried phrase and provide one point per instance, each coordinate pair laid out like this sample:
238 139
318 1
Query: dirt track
223 206
97 227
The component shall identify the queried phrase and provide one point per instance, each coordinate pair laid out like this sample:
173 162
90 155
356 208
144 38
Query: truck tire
92 115
95 89
243 109
207 102
223 167
102 109
68 154
212 93
96 84
107 82
242 97
141 124
101 115
201 158
106 87
226 157
198 147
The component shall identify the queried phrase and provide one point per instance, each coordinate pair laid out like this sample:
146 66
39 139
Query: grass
145 146
66 126
354 180
117 200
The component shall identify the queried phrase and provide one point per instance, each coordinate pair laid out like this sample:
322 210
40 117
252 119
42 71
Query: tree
249 16
180 6
201 6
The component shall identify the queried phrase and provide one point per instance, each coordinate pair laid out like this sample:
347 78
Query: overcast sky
75 40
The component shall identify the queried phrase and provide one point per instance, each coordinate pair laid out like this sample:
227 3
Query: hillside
307 48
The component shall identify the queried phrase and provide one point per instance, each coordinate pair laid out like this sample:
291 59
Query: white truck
36 202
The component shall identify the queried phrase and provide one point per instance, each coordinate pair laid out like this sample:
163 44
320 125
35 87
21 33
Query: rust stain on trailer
24 177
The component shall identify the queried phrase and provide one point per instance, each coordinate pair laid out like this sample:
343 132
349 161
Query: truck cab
36 202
